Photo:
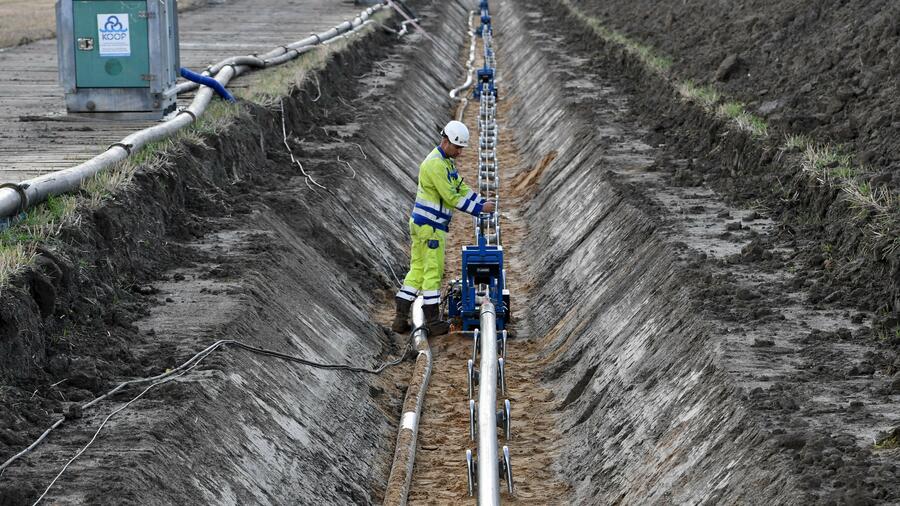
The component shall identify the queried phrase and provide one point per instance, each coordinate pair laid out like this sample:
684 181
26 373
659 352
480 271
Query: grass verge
283 80
40 225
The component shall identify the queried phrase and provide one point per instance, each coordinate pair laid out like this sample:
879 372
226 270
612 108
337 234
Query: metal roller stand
491 464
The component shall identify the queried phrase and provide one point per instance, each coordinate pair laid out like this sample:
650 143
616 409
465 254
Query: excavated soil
674 343
823 68
787 71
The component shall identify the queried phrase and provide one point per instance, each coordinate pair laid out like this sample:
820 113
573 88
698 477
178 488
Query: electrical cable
184 369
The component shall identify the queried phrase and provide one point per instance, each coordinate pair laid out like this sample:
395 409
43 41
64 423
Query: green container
118 59
112 50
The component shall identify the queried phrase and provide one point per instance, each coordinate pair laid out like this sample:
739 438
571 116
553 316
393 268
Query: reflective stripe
435 207
431 302
433 212
431 293
422 220
405 296
431 217
472 203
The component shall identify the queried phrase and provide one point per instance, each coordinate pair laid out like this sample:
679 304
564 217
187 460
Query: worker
440 190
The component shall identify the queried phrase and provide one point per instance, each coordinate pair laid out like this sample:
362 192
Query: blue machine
485 18
482 266
485 75
483 274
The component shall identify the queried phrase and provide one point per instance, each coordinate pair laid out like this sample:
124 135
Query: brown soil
440 473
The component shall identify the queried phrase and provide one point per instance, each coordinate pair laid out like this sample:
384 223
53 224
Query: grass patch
706 96
797 142
744 120
889 442
19 242
878 206
271 86
827 163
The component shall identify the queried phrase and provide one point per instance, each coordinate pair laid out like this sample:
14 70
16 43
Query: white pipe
397 490
38 189
488 464
470 63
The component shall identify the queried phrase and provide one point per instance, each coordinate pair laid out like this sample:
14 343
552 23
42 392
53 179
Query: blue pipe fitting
207 81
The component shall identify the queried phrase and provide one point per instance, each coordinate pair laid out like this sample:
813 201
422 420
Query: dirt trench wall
229 242
650 415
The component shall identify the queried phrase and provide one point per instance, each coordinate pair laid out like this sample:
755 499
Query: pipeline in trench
618 391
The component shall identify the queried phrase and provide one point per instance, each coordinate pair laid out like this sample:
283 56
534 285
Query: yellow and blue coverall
440 190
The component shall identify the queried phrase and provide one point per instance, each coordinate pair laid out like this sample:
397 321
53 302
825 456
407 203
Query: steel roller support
488 465
482 292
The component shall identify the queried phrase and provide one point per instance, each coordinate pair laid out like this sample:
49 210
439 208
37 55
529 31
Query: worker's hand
489 207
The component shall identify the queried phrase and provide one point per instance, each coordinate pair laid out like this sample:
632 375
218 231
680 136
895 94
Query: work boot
401 319
433 322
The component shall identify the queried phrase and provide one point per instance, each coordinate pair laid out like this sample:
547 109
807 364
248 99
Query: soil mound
823 68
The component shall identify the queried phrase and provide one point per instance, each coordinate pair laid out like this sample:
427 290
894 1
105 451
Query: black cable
319 365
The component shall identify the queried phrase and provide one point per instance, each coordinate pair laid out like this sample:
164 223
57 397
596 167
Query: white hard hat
457 133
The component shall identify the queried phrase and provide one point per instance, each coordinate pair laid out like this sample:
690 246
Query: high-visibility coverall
440 191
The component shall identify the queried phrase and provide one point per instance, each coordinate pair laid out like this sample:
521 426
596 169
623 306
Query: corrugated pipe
405 454
17 197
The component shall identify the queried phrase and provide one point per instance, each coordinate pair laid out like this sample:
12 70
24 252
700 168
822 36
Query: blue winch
485 75
482 274
485 19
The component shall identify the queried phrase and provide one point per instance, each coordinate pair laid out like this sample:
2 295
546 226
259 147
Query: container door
111 44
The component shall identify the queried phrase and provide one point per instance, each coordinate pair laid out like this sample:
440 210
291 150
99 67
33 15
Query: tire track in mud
440 472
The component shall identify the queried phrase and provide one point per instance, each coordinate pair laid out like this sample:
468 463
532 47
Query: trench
622 389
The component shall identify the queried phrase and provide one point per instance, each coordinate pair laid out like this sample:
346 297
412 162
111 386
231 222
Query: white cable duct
470 71
33 191
399 481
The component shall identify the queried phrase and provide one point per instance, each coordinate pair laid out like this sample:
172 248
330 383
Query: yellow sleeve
453 191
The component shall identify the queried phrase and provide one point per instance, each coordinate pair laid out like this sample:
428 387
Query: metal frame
482 291
152 102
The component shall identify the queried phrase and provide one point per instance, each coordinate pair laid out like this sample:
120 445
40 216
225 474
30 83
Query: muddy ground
679 341
808 69
823 68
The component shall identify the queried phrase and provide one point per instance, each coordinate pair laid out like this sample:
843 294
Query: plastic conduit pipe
405 454
37 190
207 81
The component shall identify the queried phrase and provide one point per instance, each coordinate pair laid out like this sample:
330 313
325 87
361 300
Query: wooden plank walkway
36 137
